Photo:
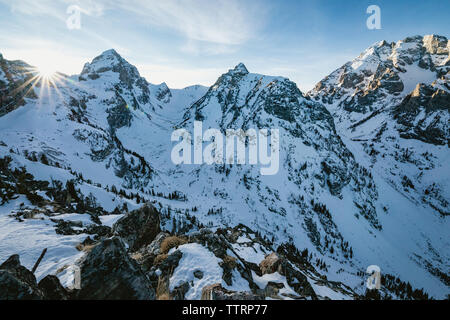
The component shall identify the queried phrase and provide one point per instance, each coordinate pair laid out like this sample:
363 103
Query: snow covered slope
391 108
105 136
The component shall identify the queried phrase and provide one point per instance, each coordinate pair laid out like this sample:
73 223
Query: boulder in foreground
139 227
108 273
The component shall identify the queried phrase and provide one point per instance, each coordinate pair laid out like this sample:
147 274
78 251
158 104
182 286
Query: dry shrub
136 256
171 242
160 258
84 247
163 296
162 290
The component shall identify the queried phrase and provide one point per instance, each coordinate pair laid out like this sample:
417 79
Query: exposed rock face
424 114
110 60
17 282
119 114
139 227
272 290
146 255
169 264
163 93
217 292
298 281
240 69
240 100
107 272
154 248
16 79
391 107
391 94
230 247
435 44
52 288
198 274
378 75
270 264
76 227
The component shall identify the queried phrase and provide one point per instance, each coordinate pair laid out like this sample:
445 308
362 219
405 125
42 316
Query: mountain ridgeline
363 179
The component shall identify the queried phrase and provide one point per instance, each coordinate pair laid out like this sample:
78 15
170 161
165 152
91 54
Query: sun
47 72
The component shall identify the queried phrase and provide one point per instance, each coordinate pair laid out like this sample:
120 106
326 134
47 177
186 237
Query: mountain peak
436 44
240 69
164 85
382 43
110 60
434 36
110 52
416 38
111 56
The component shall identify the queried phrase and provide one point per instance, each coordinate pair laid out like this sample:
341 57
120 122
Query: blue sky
185 42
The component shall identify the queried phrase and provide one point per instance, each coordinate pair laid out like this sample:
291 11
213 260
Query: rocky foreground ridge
136 261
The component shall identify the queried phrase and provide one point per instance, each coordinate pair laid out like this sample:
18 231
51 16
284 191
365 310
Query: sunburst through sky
42 81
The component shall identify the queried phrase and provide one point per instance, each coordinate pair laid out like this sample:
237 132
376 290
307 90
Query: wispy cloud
228 22
208 27
49 17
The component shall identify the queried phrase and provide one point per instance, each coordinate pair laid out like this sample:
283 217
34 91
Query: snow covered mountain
362 177
391 108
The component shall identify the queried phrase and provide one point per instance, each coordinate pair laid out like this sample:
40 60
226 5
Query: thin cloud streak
208 27
228 22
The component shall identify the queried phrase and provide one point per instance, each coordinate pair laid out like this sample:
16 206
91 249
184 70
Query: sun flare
47 72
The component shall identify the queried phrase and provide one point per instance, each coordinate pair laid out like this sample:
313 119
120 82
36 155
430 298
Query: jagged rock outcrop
107 272
163 93
17 282
229 248
52 288
424 114
379 76
298 281
147 254
270 264
139 227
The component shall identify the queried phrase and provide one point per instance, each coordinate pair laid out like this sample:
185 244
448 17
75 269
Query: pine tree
44 159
